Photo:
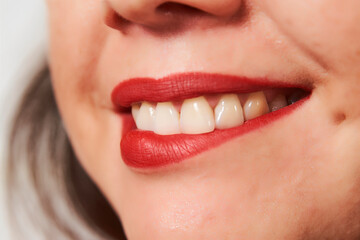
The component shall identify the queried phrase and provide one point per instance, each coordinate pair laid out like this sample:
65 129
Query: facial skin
297 178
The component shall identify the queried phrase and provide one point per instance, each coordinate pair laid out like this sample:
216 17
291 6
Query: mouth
168 120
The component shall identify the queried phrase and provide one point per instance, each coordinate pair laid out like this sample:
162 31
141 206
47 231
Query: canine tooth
135 110
255 105
166 119
228 112
145 117
277 103
196 116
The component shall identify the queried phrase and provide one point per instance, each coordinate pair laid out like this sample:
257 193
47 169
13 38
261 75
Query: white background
22 51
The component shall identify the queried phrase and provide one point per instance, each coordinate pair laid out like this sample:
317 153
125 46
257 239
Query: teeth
228 112
166 119
135 111
255 105
278 103
196 116
144 117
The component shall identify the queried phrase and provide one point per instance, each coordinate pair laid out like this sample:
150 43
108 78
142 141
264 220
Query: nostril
170 17
172 8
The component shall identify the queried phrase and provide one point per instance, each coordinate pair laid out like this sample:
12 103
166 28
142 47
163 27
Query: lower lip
147 150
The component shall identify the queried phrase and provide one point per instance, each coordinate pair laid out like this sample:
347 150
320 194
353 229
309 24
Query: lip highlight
146 150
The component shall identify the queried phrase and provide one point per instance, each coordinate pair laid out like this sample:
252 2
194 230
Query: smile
182 115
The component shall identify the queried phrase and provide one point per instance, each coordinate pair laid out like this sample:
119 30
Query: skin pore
297 178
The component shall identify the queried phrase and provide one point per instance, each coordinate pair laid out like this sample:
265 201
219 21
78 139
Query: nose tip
161 12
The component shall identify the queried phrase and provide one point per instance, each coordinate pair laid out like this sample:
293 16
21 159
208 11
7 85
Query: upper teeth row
196 116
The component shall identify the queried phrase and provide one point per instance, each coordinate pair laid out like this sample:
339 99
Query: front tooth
228 112
255 105
145 116
166 119
278 103
196 116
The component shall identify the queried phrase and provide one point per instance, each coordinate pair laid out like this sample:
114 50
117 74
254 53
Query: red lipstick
144 149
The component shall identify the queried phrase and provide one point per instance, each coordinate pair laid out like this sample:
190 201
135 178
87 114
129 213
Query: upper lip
177 87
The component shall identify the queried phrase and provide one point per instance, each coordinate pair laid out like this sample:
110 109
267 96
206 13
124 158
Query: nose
160 12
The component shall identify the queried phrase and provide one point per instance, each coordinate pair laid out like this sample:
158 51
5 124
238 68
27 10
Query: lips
146 149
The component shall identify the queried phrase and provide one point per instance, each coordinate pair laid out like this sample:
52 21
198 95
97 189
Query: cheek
327 30
77 37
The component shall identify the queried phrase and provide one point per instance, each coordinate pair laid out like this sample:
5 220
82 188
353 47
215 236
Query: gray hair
47 188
